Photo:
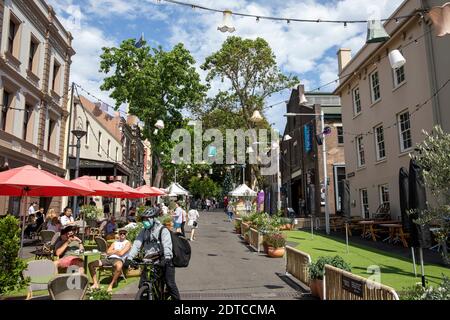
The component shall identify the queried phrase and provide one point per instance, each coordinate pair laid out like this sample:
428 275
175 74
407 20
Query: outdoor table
368 230
395 233
85 255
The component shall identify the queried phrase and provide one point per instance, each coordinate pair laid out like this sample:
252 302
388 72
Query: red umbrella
99 188
30 181
131 193
151 191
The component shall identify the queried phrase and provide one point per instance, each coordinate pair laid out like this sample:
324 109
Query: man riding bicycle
149 239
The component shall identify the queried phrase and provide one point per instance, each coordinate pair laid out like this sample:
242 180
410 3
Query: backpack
181 249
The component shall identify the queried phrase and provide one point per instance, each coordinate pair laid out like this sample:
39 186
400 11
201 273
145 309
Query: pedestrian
225 203
183 223
177 217
208 204
106 209
32 209
230 212
193 216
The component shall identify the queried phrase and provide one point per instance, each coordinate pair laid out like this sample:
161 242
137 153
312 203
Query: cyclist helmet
149 213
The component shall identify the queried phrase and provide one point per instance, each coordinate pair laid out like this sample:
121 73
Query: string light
418 11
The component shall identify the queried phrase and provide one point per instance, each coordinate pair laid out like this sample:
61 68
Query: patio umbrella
30 181
99 188
151 191
407 223
420 234
345 205
129 192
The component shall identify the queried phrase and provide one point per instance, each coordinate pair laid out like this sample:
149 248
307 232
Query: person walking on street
193 216
177 217
230 212
183 223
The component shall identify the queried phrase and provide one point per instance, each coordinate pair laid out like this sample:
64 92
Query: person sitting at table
117 254
110 229
54 225
67 219
65 247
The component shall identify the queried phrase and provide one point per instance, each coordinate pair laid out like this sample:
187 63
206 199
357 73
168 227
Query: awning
95 168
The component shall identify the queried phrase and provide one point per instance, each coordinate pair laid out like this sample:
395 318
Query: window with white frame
356 101
364 203
86 141
117 154
379 143
340 134
108 148
384 194
360 151
404 127
375 87
399 76
99 141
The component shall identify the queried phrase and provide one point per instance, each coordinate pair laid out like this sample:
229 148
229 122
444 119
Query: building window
384 194
5 108
32 59
99 141
375 87
399 76
108 148
56 76
26 120
379 143
340 135
364 203
86 141
51 129
404 126
13 27
117 154
356 102
360 149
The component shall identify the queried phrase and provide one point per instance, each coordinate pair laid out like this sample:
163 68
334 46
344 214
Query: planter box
316 288
256 239
244 228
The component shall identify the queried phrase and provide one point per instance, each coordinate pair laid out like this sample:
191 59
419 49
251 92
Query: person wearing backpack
154 238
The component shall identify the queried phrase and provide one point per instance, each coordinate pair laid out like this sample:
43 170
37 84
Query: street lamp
79 134
324 152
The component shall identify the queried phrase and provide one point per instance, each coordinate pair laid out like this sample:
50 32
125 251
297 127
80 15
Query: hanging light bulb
250 150
396 59
211 171
159 124
287 138
256 117
227 23
155 132
376 32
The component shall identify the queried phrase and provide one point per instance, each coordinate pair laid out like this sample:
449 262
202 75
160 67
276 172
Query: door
339 175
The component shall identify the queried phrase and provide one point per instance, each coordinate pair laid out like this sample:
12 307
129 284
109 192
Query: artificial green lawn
396 271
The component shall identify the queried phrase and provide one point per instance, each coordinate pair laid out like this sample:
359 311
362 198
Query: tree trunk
159 173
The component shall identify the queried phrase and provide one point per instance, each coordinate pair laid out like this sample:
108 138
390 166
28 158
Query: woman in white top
67 218
193 216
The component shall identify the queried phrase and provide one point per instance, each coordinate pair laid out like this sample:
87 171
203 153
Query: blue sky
305 50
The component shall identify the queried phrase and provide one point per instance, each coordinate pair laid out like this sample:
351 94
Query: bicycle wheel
144 293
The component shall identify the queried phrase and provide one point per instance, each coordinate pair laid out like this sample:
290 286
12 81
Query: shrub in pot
237 226
276 243
316 272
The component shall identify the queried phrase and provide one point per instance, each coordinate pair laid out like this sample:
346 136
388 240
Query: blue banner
307 137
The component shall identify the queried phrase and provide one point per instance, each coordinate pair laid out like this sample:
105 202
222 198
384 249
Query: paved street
223 267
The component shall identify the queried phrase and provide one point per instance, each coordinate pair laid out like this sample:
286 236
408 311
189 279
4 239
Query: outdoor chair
46 235
69 286
103 248
40 273
48 239
383 212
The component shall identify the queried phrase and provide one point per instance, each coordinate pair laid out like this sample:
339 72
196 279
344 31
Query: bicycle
151 285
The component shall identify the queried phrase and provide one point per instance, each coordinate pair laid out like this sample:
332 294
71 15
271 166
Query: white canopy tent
176 190
243 191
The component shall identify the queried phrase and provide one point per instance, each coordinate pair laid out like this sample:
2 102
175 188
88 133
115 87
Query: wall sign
353 286
307 137
351 175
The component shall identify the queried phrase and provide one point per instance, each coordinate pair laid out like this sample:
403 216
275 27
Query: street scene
229 151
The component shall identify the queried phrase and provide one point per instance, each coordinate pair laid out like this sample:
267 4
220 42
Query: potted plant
98 294
317 269
276 245
91 213
237 226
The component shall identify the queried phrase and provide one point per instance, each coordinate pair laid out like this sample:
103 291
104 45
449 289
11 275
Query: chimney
344 57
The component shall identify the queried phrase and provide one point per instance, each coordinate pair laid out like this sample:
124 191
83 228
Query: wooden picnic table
368 231
395 233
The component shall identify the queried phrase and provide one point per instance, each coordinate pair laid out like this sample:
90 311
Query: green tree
433 156
227 185
249 66
204 187
157 85
11 266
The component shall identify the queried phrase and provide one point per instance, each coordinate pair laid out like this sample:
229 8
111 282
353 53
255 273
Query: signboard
307 138
353 286
351 175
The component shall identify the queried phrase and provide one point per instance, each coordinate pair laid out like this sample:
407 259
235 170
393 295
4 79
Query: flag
441 19
140 42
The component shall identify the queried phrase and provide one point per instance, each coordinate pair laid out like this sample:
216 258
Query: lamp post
79 134
324 152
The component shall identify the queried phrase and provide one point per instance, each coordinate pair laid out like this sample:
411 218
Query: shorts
177 225
110 262
68 261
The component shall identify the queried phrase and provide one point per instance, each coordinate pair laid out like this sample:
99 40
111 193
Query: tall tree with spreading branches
250 68
157 85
